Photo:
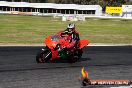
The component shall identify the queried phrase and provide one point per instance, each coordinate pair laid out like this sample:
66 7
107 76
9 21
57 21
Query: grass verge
16 29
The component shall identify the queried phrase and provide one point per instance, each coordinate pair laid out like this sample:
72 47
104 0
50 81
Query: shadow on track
66 61
84 59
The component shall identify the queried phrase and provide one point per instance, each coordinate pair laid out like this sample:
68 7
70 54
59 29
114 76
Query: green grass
18 29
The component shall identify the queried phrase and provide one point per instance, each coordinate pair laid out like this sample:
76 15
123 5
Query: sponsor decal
113 10
86 81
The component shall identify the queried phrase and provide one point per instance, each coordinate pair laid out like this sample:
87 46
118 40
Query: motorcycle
56 49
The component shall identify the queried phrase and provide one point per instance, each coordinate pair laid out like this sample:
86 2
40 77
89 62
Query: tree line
84 2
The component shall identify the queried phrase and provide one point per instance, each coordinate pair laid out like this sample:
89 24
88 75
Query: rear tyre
43 56
79 53
74 57
73 60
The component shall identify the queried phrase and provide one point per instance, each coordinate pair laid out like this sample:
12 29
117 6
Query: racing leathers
73 38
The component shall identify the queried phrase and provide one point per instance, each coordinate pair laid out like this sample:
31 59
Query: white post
74 12
52 11
131 13
37 10
2 8
42 10
22 9
18 9
65 11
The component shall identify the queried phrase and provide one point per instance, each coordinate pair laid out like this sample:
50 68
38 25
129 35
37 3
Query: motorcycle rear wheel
79 54
75 57
72 60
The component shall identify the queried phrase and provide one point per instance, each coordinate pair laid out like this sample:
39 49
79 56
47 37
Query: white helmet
71 26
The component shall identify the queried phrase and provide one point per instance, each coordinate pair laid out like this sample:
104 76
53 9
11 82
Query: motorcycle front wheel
43 56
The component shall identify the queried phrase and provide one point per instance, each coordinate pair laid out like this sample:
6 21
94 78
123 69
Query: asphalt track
18 68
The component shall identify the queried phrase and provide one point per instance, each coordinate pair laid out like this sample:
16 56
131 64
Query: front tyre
43 56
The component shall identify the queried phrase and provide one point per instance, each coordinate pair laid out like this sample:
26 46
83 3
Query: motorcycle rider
73 35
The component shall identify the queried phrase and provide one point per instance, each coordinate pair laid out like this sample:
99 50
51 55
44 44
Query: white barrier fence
73 18
67 17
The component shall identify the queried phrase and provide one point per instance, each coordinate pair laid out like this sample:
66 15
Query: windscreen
56 38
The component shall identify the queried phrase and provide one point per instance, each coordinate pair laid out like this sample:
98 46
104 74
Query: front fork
48 53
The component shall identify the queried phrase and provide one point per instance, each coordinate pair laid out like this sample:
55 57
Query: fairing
83 43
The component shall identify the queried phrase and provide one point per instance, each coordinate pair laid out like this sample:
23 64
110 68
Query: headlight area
58 47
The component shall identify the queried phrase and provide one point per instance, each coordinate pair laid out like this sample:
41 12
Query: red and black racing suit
74 39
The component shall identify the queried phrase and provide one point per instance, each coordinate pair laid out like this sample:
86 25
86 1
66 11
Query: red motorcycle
56 49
